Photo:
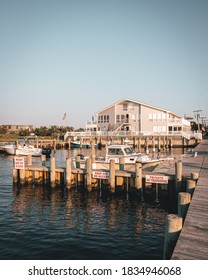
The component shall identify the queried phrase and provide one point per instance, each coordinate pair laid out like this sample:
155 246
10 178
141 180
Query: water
39 222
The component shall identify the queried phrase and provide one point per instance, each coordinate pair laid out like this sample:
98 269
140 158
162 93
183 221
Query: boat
22 147
115 152
79 145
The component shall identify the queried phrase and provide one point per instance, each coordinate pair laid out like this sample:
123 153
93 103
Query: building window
104 118
117 118
107 118
125 106
101 117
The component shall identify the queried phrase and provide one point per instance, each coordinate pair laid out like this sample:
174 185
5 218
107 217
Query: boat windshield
115 151
129 151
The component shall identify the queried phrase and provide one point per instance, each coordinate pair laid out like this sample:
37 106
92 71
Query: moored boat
22 147
115 152
79 145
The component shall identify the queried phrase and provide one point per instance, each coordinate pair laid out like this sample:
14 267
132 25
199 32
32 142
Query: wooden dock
193 240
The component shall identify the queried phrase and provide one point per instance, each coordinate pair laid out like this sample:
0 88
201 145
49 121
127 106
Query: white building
131 117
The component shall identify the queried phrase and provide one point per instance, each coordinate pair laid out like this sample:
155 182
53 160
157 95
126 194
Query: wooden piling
172 231
138 178
178 176
184 200
22 176
89 173
190 186
15 176
53 171
195 176
112 175
68 172
92 143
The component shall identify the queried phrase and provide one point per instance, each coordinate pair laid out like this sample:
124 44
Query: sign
157 179
19 162
100 174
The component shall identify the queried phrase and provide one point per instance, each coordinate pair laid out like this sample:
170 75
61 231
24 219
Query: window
117 118
101 117
104 118
107 118
125 106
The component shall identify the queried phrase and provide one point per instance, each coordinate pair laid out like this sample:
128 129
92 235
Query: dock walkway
193 240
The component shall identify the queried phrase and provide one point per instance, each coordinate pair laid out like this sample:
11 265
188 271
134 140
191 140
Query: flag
64 117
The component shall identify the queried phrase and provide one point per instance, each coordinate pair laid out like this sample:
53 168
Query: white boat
23 147
116 152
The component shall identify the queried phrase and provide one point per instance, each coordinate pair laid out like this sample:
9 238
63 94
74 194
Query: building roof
133 101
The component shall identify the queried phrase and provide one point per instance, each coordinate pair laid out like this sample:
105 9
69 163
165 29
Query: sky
80 56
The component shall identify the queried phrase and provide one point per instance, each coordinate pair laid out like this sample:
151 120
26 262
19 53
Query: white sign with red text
100 174
19 162
157 179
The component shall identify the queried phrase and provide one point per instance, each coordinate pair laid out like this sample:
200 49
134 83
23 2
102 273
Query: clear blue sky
79 56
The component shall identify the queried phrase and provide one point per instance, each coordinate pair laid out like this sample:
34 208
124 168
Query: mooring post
68 172
89 173
53 171
121 163
15 175
178 176
112 175
138 178
22 176
92 143
184 200
195 176
190 186
173 228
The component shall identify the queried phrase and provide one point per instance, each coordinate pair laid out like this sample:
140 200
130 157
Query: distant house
137 118
17 128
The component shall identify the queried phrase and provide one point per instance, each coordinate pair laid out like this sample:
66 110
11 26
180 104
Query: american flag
64 117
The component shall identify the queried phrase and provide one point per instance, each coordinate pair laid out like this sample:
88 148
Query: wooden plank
193 240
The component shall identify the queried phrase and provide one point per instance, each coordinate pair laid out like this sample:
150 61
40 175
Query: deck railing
124 133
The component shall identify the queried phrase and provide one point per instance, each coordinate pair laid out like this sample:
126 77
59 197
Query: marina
168 182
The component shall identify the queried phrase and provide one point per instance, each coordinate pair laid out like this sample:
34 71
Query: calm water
43 223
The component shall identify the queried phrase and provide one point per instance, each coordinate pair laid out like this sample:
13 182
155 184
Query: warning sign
157 179
100 174
19 162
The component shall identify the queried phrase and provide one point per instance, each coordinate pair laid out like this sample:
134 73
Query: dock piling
172 231
184 200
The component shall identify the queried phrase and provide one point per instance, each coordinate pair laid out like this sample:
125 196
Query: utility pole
197 117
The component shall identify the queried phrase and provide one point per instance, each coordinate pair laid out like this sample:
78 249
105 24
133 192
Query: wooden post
158 147
190 186
112 175
172 231
22 176
178 176
183 204
15 176
153 144
89 173
195 176
92 143
68 172
121 163
138 179
53 171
